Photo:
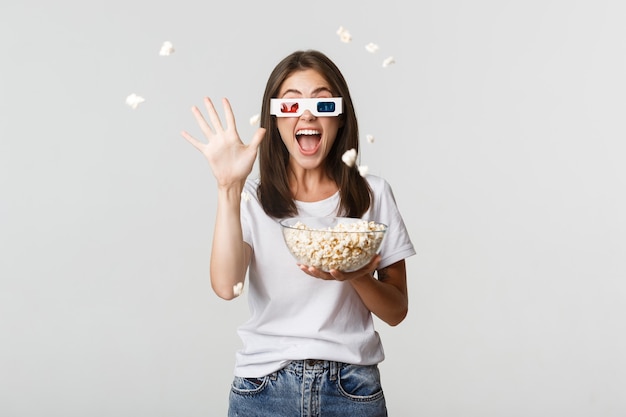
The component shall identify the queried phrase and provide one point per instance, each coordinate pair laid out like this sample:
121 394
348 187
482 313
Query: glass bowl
342 243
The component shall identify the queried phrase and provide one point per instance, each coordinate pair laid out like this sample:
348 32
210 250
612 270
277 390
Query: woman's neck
311 185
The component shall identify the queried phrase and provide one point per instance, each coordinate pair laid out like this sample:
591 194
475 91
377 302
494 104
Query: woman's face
307 137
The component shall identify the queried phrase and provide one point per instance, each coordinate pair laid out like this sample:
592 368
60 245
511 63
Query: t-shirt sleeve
397 244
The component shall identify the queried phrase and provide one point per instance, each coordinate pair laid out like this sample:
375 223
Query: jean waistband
314 366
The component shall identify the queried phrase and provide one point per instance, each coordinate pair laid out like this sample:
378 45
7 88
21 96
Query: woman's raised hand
231 160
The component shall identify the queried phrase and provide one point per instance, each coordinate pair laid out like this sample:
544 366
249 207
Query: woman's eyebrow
316 91
291 90
320 89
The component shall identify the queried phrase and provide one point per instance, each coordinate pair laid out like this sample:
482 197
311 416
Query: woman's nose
307 115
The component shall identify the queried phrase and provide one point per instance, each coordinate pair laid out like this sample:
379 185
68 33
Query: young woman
309 347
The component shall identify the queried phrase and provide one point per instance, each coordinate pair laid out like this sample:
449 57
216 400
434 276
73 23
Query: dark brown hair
273 192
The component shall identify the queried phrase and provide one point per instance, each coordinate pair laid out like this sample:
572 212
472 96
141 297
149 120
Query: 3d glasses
294 107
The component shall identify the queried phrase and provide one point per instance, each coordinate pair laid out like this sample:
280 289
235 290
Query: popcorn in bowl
341 243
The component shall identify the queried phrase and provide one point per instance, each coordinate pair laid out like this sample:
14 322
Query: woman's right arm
231 162
230 255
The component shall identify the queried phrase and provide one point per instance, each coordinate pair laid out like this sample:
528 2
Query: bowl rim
347 220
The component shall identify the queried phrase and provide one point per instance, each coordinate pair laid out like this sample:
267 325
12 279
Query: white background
500 129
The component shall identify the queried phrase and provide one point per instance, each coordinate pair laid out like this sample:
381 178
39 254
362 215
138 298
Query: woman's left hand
336 275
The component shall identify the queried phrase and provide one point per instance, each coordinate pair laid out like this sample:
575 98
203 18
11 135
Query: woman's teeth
307 132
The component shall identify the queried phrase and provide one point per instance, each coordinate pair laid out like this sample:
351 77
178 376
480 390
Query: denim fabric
310 388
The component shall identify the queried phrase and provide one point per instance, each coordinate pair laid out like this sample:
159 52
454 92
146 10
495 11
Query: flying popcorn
349 157
166 49
134 100
255 119
245 196
238 289
388 61
371 47
344 35
363 170
370 138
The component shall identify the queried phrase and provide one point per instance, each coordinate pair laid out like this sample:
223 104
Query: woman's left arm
387 296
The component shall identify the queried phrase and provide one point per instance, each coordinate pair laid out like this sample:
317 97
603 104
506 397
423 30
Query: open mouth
308 140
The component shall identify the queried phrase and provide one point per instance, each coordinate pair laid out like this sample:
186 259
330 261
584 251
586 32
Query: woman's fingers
337 275
229 115
204 126
314 272
214 125
213 116
195 142
257 138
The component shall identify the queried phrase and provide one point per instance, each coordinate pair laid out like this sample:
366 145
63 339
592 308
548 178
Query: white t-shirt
295 316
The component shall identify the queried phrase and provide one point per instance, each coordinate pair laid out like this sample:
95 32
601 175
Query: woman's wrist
364 279
231 190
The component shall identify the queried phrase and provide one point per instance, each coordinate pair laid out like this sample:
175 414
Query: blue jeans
310 388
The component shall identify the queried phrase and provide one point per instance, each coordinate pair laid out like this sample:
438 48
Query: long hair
273 192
